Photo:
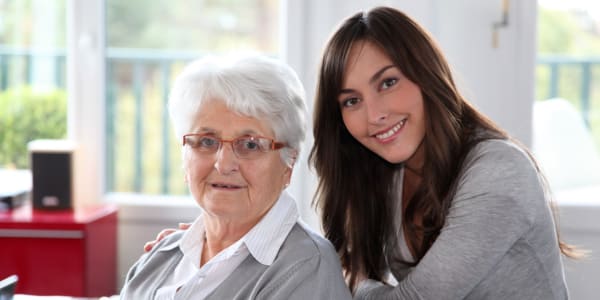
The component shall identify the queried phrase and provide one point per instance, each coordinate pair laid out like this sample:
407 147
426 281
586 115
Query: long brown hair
355 185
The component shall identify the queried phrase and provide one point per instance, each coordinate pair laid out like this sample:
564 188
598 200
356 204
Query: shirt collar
265 239
193 240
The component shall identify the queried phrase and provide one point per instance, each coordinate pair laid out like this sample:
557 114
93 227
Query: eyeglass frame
274 144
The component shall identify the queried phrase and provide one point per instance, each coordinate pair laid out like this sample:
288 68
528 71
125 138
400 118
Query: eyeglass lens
243 147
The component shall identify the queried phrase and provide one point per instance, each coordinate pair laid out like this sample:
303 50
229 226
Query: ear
287 176
294 155
184 165
186 172
291 167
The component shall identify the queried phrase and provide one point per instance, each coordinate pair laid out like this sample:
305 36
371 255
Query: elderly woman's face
230 188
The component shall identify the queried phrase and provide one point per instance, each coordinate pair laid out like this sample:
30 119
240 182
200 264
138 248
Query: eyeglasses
244 147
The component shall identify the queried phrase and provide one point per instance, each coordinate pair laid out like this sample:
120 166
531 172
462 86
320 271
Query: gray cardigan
306 267
498 242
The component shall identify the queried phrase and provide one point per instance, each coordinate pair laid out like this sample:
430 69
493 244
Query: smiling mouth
225 186
392 131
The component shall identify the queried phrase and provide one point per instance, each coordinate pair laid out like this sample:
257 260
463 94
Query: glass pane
33 98
568 68
147 45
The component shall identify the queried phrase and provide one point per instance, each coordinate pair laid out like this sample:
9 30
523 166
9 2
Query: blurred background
100 74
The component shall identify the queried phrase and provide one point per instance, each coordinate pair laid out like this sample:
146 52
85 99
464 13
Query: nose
376 111
226 161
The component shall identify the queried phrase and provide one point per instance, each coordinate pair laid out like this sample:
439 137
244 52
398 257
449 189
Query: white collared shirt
263 241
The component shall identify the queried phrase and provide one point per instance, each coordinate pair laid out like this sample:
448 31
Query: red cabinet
69 253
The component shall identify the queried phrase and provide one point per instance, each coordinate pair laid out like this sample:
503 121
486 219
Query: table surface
77 215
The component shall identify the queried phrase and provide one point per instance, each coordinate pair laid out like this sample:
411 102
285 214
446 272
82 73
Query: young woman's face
381 108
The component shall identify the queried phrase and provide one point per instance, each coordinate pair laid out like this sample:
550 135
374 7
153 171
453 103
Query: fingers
161 235
165 232
148 246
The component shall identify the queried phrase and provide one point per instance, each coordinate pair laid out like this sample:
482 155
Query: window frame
86 97
86 86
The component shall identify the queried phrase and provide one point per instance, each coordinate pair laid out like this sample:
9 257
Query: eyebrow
373 78
208 130
249 132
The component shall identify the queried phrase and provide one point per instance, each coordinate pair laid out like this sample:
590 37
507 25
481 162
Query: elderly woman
241 121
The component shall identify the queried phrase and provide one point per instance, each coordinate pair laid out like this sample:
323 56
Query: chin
393 158
389 159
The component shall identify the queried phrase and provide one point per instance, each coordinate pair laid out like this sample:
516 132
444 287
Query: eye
249 144
387 83
350 102
206 142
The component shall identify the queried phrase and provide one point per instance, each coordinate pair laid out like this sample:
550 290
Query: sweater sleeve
136 284
491 210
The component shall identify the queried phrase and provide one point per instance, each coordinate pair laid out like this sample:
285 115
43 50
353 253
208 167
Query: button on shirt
263 241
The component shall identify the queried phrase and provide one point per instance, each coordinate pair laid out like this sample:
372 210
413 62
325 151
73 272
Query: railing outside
142 75
137 85
142 154
18 62
571 68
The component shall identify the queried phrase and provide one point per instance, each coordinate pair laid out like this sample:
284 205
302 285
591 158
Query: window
567 127
147 44
33 97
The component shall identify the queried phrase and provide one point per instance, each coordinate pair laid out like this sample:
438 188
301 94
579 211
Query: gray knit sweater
498 242
306 267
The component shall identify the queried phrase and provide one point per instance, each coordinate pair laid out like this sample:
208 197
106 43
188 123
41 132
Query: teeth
390 132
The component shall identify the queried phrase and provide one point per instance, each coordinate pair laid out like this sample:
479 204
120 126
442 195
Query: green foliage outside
571 35
561 33
213 25
26 115
19 22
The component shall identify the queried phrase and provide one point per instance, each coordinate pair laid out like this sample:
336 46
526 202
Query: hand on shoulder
164 233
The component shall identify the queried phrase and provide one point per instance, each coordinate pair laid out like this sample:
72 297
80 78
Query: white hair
253 85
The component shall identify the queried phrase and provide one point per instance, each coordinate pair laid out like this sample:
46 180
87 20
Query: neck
417 160
220 235
411 181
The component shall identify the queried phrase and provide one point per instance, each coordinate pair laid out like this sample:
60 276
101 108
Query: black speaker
52 174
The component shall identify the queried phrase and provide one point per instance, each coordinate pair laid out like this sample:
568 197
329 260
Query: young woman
413 180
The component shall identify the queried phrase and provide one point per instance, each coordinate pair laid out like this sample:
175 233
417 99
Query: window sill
579 208
148 208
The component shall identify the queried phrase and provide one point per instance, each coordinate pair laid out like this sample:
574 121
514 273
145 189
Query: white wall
141 218
498 80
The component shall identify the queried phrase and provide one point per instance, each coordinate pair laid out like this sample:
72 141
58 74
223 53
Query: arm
489 213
